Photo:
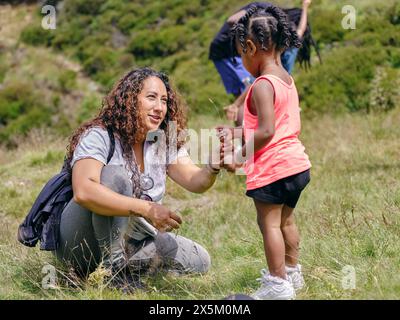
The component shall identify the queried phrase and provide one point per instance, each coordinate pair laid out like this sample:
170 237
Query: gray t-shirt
95 144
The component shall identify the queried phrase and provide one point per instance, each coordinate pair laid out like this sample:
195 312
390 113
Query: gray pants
87 238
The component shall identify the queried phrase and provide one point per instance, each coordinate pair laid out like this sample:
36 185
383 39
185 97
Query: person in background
235 77
299 17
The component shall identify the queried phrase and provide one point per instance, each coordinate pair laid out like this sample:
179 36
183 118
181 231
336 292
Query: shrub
89 108
67 81
326 25
15 99
384 94
35 35
34 118
82 7
342 82
375 31
99 61
148 43
71 33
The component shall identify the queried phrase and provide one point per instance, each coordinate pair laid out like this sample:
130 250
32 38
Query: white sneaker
274 288
295 277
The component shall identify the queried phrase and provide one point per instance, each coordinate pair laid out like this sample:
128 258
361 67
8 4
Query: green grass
348 215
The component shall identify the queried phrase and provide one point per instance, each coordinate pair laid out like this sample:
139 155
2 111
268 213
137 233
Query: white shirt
95 144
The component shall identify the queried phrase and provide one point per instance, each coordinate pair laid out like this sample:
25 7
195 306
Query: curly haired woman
116 212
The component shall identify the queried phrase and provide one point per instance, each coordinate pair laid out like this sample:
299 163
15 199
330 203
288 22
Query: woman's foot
274 288
125 281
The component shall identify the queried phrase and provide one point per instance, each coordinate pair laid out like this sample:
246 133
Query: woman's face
152 102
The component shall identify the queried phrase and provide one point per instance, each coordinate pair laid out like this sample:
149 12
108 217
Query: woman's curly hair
120 112
269 27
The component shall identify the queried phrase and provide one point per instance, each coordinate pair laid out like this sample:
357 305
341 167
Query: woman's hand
163 218
306 3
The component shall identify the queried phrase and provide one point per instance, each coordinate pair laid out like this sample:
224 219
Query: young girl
277 168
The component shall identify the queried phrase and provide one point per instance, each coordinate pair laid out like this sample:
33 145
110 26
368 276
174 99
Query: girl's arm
191 177
303 20
92 195
262 104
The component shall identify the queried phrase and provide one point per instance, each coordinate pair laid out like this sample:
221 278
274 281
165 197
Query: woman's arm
191 177
92 195
303 20
235 17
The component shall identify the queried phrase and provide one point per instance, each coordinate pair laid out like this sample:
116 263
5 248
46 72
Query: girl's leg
291 236
269 221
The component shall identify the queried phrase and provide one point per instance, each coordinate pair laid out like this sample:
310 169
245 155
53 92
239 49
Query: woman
108 218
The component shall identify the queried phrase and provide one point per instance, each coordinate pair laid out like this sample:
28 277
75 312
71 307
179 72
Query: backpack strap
112 146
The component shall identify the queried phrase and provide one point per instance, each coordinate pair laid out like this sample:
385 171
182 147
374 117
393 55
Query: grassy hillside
348 215
108 37
39 89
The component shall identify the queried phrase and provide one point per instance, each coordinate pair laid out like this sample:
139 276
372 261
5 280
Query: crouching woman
116 216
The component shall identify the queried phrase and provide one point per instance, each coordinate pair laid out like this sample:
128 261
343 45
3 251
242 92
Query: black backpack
43 220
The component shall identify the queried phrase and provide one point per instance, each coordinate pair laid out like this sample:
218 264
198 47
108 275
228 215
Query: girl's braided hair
269 27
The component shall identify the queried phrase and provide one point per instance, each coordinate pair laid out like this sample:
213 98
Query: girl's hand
225 136
163 218
228 154
225 133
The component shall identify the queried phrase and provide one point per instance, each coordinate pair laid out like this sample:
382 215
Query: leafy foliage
109 37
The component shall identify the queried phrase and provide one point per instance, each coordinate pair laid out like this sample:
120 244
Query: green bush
326 25
375 31
384 92
15 99
394 14
3 68
100 61
67 81
342 82
34 118
174 36
90 106
394 55
71 33
153 43
35 35
82 7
